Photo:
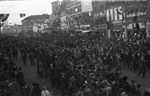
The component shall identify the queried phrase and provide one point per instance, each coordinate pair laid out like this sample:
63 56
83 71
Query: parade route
145 82
31 76
75 48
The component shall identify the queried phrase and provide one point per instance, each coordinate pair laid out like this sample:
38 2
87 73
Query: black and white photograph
74 47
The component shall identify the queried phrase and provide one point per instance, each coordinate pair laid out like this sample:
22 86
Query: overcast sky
29 7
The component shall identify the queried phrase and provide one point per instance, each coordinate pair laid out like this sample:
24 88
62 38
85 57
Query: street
31 75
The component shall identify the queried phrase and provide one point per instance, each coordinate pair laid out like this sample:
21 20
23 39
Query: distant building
12 29
35 23
54 18
128 17
55 7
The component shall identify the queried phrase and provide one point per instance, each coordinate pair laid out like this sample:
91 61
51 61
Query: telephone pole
125 19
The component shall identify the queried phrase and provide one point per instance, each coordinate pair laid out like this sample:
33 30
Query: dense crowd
84 65
10 74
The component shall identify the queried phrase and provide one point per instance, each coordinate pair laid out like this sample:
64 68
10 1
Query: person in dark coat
147 92
31 59
132 88
20 77
36 91
142 66
63 81
24 57
138 90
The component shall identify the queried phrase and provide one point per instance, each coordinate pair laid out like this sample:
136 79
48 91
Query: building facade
35 23
113 18
79 14
54 18
125 18
11 29
99 17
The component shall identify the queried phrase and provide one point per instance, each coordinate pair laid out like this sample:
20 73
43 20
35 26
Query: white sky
29 7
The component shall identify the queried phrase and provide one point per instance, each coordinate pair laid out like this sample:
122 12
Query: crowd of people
10 74
83 65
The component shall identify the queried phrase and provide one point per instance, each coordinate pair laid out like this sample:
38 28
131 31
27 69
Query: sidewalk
139 79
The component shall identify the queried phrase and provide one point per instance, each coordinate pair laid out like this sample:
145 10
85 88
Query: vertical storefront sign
111 14
120 13
115 14
107 15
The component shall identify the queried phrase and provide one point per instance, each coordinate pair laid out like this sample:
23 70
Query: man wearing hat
132 87
138 90
36 91
45 92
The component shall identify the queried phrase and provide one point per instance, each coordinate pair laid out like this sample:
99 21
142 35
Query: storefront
116 29
101 29
136 20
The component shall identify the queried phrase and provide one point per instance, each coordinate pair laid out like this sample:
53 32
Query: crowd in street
11 76
82 65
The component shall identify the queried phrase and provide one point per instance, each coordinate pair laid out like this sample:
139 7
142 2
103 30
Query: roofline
55 2
27 18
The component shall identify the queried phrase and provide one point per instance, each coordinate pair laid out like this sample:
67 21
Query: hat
105 82
138 86
132 81
124 78
113 82
123 94
19 68
44 87
35 84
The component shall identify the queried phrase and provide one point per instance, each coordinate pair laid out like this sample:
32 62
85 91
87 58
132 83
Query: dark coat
146 93
36 91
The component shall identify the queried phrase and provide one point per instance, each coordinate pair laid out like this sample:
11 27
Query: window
76 9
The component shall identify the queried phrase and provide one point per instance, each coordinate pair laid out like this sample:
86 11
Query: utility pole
125 18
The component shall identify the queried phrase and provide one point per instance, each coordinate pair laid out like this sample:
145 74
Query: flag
3 17
22 15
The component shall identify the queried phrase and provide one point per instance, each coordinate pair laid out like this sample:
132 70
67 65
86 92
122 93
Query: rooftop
43 16
56 2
